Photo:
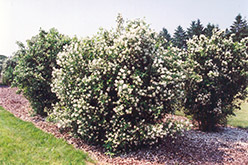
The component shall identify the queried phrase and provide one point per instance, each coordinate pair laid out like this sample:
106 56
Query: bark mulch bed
228 146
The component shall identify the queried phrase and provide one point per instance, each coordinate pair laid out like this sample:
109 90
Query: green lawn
22 143
241 118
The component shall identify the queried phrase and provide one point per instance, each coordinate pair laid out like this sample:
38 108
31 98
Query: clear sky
22 19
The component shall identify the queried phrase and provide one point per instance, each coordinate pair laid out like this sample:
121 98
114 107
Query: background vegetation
239 29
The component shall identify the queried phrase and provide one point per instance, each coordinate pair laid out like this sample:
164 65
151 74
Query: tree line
239 29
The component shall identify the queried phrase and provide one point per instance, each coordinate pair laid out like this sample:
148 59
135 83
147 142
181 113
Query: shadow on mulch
183 151
3 86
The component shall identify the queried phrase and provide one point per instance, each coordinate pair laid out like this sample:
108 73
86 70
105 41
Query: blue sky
22 19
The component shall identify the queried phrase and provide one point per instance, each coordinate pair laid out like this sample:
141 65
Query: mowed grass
241 118
22 143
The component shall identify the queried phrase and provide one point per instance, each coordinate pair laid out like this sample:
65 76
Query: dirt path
229 146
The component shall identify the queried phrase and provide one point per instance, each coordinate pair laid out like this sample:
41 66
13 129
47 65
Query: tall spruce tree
179 37
239 28
166 35
196 28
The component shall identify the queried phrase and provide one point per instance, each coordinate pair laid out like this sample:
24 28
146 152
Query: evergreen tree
165 34
227 32
239 28
196 28
208 31
179 37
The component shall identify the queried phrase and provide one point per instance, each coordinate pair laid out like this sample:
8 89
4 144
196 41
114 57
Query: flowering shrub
115 88
219 77
33 72
2 59
7 74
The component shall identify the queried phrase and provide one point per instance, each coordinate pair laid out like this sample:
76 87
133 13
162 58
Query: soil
227 146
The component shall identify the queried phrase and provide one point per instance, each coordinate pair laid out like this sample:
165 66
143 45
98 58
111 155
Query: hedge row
115 88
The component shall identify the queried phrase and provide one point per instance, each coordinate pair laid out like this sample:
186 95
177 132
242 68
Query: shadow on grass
241 127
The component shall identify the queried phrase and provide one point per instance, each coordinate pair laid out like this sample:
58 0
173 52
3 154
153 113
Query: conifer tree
166 35
239 28
208 31
196 28
179 37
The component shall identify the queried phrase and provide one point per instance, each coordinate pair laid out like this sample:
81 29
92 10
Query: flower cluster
115 88
217 77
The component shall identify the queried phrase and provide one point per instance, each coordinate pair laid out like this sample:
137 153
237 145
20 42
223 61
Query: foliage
196 28
239 28
22 143
2 58
166 35
7 74
33 72
116 87
208 31
179 38
219 76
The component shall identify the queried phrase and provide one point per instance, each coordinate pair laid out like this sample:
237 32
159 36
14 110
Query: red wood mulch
228 146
